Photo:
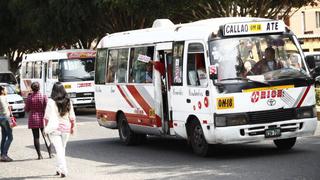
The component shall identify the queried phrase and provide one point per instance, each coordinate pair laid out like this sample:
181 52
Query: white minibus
214 81
73 67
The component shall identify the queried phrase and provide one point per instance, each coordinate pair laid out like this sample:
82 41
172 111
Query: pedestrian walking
6 130
36 105
60 123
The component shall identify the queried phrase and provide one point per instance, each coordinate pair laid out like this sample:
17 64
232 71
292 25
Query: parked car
313 61
9 78
315 55
15 101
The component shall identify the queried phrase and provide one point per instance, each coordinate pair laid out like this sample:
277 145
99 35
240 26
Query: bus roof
60 54
171 32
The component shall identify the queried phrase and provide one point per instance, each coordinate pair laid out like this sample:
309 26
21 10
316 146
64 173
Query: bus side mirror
213 72
310 62
213 76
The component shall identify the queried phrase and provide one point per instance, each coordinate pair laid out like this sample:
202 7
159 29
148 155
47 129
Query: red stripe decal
124 96
304 96
138 119
137 96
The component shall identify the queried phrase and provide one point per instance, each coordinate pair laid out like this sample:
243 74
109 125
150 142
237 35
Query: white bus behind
73 67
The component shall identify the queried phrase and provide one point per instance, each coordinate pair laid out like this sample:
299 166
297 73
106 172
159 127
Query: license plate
274 132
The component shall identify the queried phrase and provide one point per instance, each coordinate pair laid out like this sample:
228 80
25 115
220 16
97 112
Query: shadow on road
173 158
111 150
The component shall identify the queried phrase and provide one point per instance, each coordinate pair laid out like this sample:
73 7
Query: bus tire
126 134
285 144
197 140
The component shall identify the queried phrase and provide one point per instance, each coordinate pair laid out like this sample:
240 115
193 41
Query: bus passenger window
24 70
29 72
37 70
101 67
177 63
112 65
196 69
138 71
121 73
149 73
55 67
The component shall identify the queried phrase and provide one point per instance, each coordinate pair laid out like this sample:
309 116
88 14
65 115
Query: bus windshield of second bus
247 58
76 70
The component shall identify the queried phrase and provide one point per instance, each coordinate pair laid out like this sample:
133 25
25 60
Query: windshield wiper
246 79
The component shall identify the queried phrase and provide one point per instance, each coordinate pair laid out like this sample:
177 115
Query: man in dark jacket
267 64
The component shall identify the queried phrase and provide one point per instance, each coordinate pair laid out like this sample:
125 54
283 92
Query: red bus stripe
304 96
137 96
124 96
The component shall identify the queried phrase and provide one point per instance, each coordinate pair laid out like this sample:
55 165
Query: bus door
164 54
52 76
189 90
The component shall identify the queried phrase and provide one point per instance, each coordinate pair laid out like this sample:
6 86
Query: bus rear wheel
197 139
285 144
126 134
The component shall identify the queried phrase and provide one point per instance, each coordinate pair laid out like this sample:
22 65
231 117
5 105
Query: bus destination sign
262 27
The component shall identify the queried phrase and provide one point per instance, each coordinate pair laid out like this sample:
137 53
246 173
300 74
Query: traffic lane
171 158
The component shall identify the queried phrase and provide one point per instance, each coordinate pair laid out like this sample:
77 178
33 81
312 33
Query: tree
40 25
254 8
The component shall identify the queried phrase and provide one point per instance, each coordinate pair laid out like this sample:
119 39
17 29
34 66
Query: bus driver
267 64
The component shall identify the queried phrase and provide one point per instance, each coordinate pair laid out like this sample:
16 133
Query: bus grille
85 94
271 116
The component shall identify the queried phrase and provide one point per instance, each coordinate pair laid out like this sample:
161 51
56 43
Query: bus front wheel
197 139
126 134
285 144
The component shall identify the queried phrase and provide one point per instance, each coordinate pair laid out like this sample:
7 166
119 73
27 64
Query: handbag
13 121
52 125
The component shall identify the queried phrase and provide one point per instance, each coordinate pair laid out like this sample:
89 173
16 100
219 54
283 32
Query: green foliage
39 25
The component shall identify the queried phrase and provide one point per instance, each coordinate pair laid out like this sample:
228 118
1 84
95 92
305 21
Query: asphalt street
95 152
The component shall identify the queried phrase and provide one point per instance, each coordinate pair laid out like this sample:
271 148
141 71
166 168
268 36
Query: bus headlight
72 95
230 120
309 112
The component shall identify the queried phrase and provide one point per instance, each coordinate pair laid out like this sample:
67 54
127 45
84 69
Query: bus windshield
76 70
261 58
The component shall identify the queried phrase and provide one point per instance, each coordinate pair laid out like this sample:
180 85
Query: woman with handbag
60 122
6 130
36 105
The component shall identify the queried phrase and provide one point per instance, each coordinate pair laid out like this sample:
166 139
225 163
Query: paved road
96 153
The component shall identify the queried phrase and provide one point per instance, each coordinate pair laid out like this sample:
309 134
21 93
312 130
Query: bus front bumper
256 132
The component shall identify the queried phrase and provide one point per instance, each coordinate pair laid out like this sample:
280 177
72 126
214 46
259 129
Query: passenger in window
159 66
110 75
248 65
294 62
149 69
269 63
201 70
